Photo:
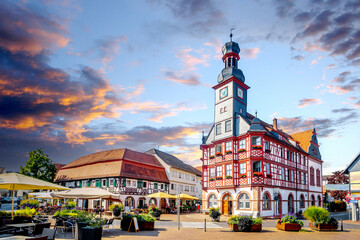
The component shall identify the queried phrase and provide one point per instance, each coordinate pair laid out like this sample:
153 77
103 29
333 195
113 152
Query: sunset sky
78 77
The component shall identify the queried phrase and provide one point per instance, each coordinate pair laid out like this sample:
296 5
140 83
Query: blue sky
78 77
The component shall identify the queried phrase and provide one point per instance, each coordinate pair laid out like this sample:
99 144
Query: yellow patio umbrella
160 195
16 181
186 196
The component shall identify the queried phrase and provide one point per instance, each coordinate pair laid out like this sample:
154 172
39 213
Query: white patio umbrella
86 193
17 181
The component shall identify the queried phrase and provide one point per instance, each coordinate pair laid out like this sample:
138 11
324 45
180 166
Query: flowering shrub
212 179
218 154
256 147
212 157
118 205
319 215
27 212
241 150
214 212
228 176
218 178
29 203
228 152
242 175
69 205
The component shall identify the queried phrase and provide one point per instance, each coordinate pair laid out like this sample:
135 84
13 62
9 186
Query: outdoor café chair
108 223
50 233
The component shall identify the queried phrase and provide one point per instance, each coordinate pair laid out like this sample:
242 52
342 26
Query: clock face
240 93
223 92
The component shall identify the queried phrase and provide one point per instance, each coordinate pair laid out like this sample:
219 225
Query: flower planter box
288 227
215 219
323 227
91 233
254 228
146 226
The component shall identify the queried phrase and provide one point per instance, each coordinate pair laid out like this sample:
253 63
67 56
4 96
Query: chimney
275 124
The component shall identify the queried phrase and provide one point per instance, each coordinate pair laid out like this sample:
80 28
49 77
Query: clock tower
230 94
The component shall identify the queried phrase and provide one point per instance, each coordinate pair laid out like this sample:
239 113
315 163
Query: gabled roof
2 170
174 161
352 165
303 138
124 163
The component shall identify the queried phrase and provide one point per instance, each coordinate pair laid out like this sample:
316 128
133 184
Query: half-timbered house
251 167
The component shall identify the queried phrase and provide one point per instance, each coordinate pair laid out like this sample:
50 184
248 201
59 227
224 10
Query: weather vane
231 34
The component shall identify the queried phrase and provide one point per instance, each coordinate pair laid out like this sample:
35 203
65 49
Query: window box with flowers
268 150
212 157
218 178
228 152
242 175
228 176
241 150
256 147
269 175
218 154
258 174
201 158
212 179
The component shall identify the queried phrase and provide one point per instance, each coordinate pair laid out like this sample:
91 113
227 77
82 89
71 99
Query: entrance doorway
277 205
227 204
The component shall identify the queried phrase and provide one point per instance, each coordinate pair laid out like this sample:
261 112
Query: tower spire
231 35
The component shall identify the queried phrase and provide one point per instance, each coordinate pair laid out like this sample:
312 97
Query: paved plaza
192 227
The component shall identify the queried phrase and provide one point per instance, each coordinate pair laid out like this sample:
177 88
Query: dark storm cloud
283 7
342 110
347 18
320 24
335 36
303 17
354 53
353 5
325 127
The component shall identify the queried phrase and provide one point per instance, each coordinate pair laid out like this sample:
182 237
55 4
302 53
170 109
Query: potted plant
146 222
116 209
155 212
82 219
319 219
228 176
93 231
228 152
242 175
289 223
212 179
215 214
218 178
245 224
212 157
256 147
241 150
24 215
218 154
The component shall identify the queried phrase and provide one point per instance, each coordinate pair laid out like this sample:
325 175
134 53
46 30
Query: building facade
131 174
354 177
251 167
183 177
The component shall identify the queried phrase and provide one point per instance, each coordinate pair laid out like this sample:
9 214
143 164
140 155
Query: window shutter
139 183
114 182
80 184
155 186
107 182
88 183
166 187
123 184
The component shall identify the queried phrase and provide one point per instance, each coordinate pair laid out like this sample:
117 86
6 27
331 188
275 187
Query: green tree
39 166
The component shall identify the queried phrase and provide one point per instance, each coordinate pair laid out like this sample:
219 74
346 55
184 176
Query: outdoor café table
21 225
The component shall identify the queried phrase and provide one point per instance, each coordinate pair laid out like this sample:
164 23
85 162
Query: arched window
302 201
318 177
312 176
152 201
266 201
312 200
290 204
319 201
129 202
212 202
244 201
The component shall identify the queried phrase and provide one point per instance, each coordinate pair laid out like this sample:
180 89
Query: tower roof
227 73
230 47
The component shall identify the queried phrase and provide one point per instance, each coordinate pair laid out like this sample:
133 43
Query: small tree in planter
289 223
245 224
155 212
116 209
319 219
94 230
146 222
215 214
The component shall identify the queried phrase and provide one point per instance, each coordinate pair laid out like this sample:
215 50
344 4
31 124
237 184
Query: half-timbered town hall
251 167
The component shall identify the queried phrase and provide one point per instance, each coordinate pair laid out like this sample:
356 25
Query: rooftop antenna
231 35
256 113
